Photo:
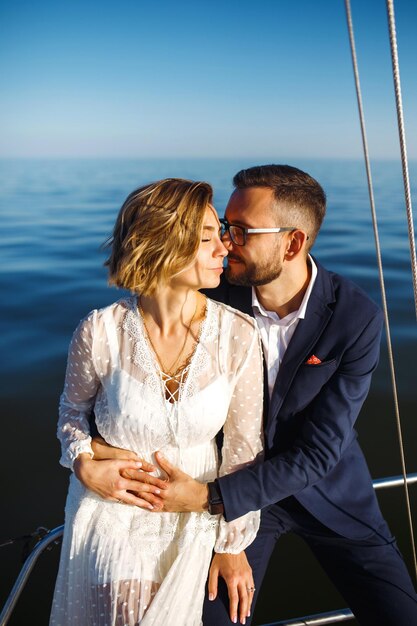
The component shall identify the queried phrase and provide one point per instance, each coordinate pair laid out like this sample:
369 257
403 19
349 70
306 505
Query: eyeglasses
238 234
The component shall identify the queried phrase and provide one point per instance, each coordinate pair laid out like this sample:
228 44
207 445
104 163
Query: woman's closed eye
208 232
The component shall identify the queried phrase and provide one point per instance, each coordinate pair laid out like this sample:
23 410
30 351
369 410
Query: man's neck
285 294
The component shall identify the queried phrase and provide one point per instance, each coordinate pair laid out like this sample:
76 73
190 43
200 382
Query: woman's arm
111 478
242 444
78 397
118 474
242 432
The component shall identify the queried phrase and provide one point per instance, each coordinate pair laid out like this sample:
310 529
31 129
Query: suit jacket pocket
306 385
319 365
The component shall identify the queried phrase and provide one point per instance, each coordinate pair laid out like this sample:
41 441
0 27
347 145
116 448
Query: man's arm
325 433
322 440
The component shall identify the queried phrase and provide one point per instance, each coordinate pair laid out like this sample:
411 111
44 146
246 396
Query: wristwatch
215 500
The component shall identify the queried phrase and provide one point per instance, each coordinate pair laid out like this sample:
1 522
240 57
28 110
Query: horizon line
271 158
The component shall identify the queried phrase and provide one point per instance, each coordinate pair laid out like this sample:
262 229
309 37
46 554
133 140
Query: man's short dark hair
299 197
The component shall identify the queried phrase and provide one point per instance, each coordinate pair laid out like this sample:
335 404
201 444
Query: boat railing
55 535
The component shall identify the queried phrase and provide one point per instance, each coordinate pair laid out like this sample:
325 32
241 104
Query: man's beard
254 275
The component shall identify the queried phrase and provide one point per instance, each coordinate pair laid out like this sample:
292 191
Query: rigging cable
381 275
403 146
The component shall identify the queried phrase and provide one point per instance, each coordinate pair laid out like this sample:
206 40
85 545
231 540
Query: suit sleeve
326 430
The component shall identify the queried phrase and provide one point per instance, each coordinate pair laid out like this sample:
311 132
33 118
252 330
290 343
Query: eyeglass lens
236 233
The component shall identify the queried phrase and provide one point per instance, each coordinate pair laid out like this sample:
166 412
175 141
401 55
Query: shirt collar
300 313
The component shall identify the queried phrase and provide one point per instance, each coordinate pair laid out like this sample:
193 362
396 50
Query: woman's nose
223 251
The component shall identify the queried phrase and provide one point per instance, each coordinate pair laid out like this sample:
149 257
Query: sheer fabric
121 565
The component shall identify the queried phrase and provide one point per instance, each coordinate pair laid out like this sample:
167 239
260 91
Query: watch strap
215 500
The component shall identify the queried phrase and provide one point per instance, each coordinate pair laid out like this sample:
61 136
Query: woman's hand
237 573
120 480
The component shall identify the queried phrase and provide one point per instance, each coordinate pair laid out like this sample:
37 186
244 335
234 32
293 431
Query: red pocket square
313 360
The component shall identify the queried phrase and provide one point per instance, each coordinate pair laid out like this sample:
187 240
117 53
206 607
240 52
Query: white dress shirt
276 332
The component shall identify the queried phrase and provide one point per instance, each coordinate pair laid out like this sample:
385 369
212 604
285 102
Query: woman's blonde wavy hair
157 233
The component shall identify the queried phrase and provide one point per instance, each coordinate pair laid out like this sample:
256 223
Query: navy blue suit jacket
311 449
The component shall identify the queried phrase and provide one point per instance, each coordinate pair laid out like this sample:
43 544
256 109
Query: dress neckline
173 398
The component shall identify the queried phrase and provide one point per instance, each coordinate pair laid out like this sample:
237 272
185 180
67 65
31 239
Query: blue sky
213 78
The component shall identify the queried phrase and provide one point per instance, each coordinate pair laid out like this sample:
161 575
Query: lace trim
144 358
141 356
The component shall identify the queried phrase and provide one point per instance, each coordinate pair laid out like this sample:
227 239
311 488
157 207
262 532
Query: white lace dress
121 565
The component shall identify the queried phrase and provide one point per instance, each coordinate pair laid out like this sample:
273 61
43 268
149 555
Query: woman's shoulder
115 309
124 304
230 315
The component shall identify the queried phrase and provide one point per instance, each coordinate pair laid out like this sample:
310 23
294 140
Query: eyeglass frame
249 231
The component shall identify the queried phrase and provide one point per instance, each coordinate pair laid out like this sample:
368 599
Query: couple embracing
223 419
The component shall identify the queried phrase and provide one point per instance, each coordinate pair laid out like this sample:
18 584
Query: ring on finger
250 589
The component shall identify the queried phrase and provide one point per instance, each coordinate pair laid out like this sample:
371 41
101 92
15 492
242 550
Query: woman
165 369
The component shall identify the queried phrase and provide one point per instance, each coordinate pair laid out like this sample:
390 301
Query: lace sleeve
242 442
77 400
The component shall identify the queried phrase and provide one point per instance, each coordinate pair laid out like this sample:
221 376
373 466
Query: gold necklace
171 372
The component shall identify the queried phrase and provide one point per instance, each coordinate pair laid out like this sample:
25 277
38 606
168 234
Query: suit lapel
304 339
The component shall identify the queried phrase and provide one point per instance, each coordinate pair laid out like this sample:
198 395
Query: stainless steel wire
381 276
403 145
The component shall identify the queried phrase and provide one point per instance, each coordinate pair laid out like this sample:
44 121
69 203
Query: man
320 335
